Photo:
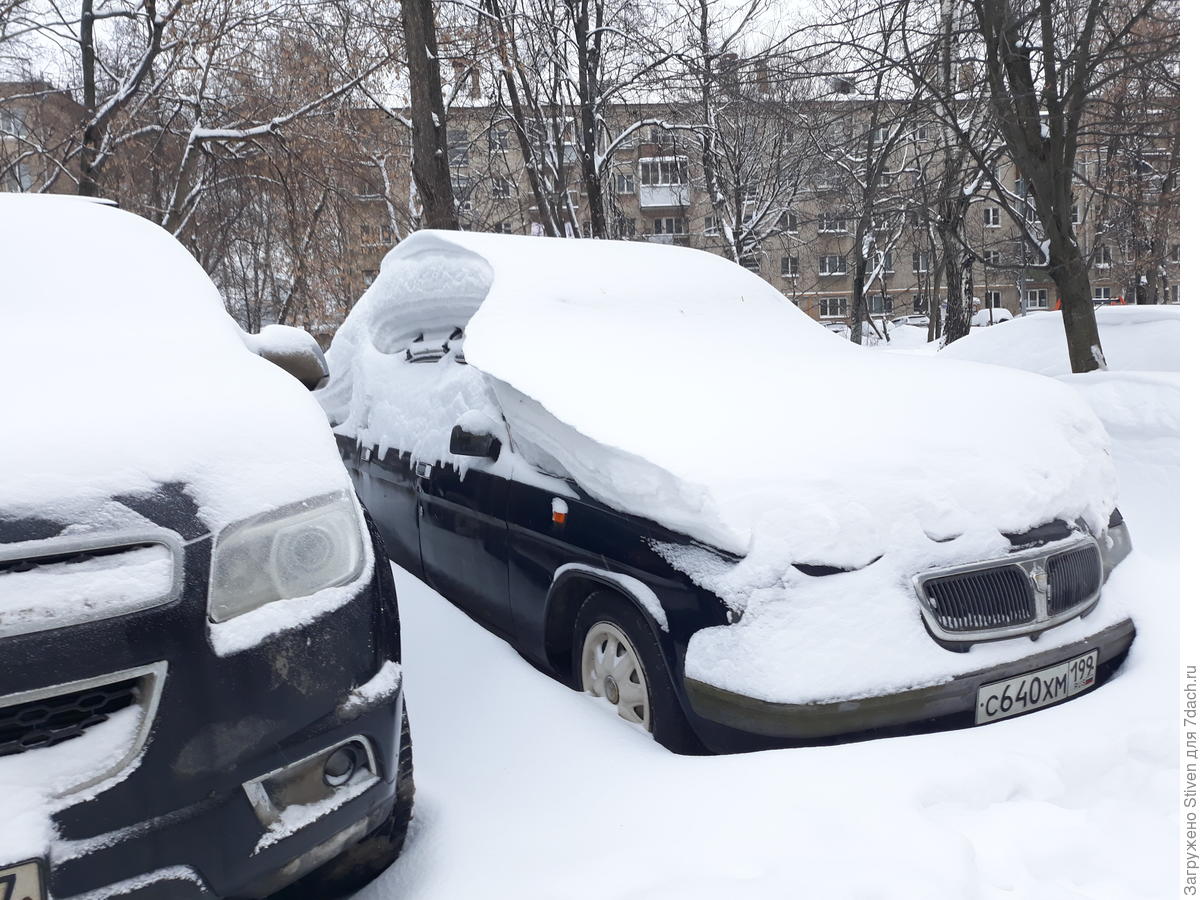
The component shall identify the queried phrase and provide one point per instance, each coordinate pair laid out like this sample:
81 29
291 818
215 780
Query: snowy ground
527 789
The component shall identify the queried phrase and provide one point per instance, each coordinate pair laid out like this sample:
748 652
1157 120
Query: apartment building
657 193
35 118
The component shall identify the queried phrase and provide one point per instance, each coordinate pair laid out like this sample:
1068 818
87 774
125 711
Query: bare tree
1045 61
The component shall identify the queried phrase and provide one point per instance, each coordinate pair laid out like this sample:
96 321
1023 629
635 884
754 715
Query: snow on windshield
125 372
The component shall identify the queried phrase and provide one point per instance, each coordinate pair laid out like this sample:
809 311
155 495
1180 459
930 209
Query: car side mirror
484 445
294 350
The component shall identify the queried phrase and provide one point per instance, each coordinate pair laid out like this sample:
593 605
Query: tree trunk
589 60
430 155
1070 273
857 301
88 184
959 285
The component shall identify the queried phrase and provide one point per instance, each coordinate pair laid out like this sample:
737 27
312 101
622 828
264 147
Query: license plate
22 882
1034 689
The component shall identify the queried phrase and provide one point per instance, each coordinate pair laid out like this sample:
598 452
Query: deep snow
528 790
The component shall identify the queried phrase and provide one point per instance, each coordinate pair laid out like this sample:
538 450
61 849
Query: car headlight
1115 543
289 552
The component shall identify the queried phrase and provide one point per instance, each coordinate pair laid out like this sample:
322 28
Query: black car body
492 518
176 760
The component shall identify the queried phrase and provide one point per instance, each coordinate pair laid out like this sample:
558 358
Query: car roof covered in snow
677 385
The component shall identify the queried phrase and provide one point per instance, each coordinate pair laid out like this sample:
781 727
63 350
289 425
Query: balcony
656 196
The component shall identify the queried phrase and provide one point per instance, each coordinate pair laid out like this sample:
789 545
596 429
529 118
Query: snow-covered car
200 689
919 320
668 487
841 329
984 317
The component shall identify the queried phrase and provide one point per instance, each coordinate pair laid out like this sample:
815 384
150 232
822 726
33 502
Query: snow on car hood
124 373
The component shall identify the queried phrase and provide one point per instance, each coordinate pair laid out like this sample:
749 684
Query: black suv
200 690
485 494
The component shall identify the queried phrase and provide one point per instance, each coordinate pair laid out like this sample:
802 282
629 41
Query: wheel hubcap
611 668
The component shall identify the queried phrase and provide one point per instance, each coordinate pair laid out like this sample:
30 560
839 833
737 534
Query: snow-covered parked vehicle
668 487
200 690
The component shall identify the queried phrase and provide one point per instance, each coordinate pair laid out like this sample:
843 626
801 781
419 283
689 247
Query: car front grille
1024 593
1000 597
51 720
1074 577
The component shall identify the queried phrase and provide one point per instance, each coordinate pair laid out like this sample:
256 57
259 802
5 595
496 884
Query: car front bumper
946 705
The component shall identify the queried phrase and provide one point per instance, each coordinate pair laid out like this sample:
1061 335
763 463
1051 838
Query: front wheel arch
565 599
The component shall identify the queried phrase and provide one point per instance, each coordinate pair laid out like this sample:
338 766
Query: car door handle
423 470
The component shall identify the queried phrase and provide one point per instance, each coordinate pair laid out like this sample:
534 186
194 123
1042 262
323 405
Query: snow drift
675 385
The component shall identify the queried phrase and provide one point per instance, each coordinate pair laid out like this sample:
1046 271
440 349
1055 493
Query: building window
1103 256
1037 298
1175 253
991 257
991 217
833 307
789 136
710 226
501 187
462 188
502 228
751 263
920 303
665 171
833 265
991 300
880 304
459 147
789 266
750 192
1076 218
497 138
831 223
920 261
670 225
1021 188
881 134
789 222
625 184
888 268
923 132
386 235
1102 293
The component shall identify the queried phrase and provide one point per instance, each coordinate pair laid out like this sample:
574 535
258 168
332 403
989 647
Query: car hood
675 385
125 374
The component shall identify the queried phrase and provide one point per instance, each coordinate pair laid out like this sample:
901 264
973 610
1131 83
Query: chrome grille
51 720
1074 578
1025 592
999 597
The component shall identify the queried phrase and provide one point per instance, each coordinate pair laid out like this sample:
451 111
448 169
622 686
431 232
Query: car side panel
464 538
594 535
386 486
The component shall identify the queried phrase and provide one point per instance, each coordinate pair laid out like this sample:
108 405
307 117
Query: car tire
607 615
362 863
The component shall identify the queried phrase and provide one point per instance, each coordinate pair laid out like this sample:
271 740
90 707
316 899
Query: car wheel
361 864
618 658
